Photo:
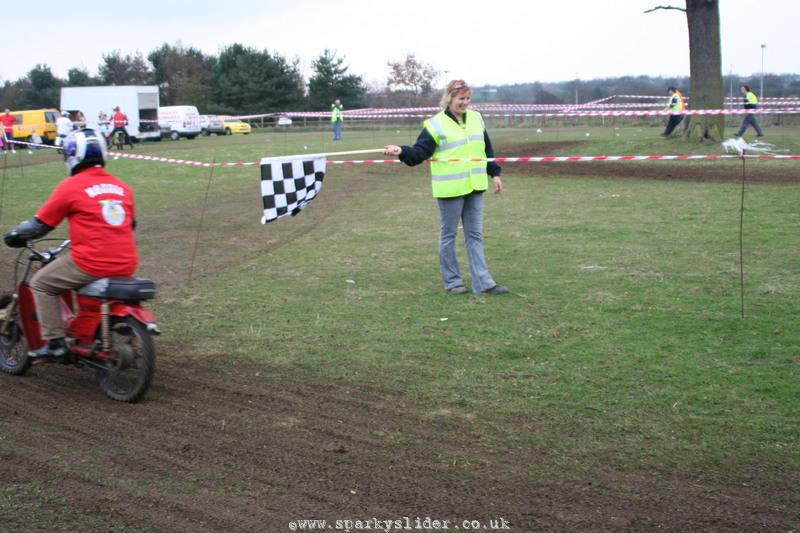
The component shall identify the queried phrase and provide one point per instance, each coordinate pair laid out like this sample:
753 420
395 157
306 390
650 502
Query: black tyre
206 133
228 131
128 374
14 358
174 135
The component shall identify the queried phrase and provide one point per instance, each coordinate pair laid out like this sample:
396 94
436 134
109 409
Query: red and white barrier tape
530 159
571 159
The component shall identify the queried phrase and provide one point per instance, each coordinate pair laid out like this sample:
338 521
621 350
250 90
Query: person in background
675 106
458 186
337 118
63 128
101 215
103 125
8 120
119 120
750 102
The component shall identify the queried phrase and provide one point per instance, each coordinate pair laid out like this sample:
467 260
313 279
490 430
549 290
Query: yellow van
41 122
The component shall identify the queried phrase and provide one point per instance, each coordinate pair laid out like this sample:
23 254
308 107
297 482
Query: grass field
620 348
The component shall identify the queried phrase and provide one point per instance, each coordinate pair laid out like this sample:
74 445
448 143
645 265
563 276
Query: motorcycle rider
100 211
119 120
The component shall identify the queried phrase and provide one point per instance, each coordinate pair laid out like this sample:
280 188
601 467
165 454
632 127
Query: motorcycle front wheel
14 358
128 373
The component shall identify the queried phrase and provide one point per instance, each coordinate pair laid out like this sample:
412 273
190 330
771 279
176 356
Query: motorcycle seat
119 288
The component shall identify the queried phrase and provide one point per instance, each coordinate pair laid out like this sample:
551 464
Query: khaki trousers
59 276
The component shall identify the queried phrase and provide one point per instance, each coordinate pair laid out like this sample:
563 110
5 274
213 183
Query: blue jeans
750 120
337 130
469 210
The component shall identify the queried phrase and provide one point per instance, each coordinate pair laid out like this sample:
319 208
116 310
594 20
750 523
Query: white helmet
65 113
84 149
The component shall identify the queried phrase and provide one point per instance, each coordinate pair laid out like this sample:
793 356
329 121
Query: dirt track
757 172
224 445
235 446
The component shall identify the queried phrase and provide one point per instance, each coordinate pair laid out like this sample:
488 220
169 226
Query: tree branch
666 7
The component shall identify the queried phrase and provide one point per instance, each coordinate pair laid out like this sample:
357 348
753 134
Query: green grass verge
622 340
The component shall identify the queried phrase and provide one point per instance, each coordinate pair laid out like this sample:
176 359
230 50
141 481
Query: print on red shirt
100 210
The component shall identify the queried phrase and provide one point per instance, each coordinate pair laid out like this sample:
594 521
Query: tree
10 95
412 76
79 77
246 80
331 81
705 67
183 75
127 70
39 88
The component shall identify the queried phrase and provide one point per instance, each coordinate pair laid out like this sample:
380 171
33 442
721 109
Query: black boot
54 350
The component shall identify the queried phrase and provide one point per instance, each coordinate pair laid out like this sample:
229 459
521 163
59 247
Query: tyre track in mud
308 450
237 446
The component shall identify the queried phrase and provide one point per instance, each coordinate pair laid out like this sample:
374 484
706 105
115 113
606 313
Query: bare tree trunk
706 90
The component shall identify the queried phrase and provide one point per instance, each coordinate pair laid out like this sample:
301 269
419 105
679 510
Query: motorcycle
108 330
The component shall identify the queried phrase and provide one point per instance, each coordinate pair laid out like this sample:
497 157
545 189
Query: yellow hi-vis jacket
336 113
457 141
676 102
750 100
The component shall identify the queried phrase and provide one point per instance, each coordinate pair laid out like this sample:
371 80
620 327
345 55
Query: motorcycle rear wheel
14 358
127 375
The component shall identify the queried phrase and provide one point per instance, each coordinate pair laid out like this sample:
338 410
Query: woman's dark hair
746 87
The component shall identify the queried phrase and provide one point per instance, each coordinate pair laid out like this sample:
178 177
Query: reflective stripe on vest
459 175
457 141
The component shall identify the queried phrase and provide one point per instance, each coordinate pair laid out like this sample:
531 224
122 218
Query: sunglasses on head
458 86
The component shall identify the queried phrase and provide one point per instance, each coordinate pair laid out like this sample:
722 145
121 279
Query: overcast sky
490 41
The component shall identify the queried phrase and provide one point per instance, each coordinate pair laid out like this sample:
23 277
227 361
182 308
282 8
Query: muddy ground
756 172
235 445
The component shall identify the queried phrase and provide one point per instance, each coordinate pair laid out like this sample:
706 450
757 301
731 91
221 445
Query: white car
211 124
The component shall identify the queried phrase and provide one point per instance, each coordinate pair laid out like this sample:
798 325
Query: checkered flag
288 184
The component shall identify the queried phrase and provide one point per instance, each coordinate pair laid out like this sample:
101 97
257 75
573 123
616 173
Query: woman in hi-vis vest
458 186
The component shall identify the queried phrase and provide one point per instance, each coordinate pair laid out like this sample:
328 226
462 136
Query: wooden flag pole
353 152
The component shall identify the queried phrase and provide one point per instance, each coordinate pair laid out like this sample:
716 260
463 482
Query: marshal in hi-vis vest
457 141
676 102
336 113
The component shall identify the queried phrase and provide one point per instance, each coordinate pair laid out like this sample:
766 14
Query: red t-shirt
8 122
100 211
119 119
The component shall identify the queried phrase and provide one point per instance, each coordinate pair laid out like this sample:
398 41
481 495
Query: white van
178 121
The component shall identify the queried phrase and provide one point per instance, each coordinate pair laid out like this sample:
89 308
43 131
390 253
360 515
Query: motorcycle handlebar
48 255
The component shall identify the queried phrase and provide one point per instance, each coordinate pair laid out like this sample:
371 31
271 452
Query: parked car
234 125
178 121
211 124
